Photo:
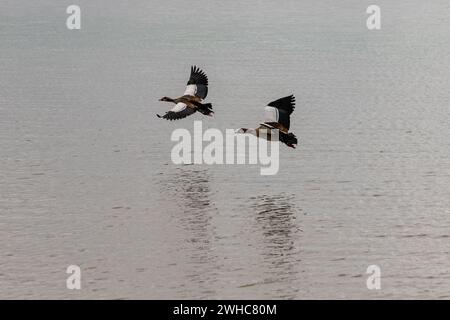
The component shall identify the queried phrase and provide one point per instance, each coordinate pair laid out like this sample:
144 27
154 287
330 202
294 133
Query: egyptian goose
278 115
190 101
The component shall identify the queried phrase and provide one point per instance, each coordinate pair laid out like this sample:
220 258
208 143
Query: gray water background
86 176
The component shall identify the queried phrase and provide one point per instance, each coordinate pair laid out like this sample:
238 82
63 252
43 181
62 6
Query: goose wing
180 111
278 113
197 85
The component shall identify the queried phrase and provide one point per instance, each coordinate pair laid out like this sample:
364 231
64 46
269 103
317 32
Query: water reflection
188 187
275 217
189 192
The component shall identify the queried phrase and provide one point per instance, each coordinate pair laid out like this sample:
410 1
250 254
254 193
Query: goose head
241 130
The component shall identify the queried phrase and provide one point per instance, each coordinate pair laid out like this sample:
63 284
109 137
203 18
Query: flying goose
190 101
278 114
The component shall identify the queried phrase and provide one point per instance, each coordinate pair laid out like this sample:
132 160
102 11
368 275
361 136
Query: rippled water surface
87 179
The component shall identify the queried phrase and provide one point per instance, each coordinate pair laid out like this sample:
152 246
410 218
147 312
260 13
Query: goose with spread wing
278 114
190 102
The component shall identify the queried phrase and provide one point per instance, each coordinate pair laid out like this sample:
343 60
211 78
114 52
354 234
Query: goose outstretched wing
278 113
180 111
197 85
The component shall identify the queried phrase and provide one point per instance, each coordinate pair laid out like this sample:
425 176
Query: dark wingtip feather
197 76
286 103
289 139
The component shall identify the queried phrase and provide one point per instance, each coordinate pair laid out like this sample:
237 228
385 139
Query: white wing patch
191 90
271 114
267 125
180 106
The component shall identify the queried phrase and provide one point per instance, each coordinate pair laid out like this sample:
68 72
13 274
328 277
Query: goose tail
206 109
289 139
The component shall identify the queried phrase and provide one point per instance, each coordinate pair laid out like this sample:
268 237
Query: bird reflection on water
276 220
188 188
274 236
192 210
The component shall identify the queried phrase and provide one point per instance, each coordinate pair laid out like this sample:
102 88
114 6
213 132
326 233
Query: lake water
87 178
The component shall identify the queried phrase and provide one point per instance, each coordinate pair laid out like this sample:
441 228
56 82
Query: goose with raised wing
278 117
191 101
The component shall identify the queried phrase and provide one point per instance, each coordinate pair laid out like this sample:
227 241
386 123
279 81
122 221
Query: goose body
191 101
277 117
